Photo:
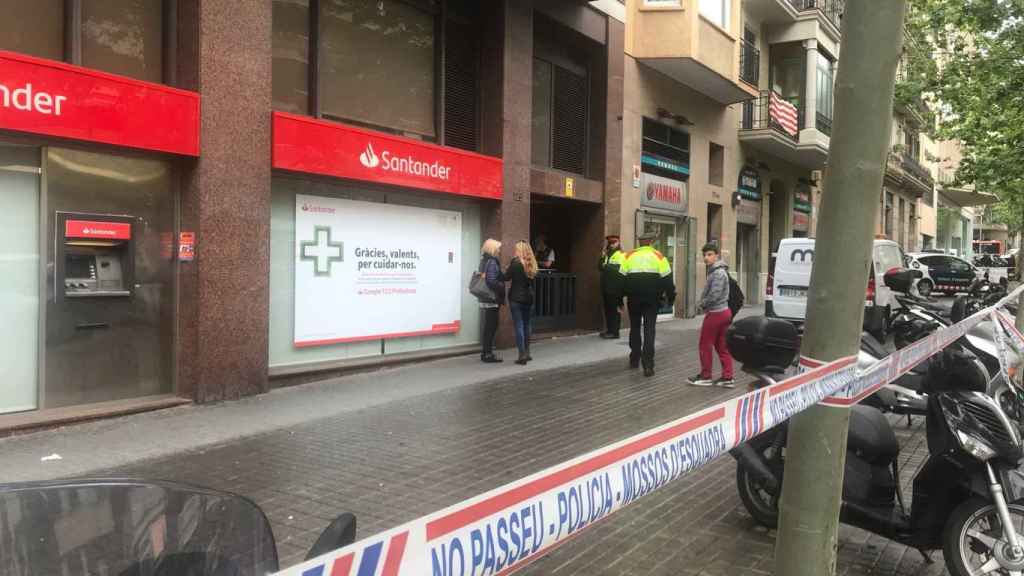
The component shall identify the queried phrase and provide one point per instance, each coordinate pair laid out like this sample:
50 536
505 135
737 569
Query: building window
34 28
888 215
291 56
123 37
716 164
824 94
365 45
716 11
665 143
912 141
560 109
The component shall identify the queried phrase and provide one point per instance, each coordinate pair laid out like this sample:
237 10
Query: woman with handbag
489 275
521 272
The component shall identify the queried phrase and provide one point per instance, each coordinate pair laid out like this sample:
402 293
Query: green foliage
967 57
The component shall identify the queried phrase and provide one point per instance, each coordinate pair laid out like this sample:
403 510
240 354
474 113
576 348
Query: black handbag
478 286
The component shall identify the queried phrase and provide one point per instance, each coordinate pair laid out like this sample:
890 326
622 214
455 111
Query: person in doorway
521 272
545 254
714 301
611 286
491 269
647 281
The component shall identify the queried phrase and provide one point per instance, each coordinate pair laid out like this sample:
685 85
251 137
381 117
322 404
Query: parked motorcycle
140 528
967 497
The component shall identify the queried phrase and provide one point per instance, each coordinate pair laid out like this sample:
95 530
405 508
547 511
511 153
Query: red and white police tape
505 529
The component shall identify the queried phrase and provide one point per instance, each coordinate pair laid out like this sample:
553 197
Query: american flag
783 113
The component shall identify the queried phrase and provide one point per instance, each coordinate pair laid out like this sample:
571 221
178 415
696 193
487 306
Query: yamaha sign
663 193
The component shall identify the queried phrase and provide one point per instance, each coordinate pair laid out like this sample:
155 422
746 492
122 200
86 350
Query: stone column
225 54
811 84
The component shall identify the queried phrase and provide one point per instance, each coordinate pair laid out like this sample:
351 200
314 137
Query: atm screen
80 266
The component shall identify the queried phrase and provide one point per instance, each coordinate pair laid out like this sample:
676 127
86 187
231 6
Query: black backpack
735 295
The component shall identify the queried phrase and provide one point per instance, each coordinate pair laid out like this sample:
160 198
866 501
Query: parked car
942 273
790 277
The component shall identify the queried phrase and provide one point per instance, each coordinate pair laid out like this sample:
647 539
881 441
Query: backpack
735 295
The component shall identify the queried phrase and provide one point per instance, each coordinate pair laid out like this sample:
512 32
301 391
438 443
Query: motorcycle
968 497
140 528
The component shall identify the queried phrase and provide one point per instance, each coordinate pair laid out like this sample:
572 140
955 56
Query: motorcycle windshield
131 528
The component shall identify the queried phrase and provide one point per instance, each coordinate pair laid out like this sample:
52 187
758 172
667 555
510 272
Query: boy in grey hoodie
714 301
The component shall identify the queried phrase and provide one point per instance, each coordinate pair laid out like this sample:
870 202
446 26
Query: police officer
611 285
648 281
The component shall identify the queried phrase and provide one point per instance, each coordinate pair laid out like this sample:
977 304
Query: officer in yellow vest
647 282
611 285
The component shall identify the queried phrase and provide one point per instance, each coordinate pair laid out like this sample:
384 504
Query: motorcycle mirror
338 534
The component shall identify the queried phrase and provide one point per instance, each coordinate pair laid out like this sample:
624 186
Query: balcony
690 49
830 10
772 124
907 172
798 20
750 63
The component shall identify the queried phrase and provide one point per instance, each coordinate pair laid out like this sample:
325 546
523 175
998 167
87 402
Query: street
403 458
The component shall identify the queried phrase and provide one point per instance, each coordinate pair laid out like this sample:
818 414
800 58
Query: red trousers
712 335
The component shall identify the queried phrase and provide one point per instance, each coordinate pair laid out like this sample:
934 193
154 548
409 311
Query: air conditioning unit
816 176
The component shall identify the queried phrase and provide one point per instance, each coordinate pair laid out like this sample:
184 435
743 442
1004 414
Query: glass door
665 228
19 269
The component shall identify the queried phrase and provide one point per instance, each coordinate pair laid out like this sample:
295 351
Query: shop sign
663 193
749 184
51 98
372 271
801 222
652 161
303 144
186 246
97 230
748 212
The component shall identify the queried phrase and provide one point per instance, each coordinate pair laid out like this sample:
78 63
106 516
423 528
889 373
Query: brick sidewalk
395 462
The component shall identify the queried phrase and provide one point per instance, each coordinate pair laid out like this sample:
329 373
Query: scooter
965 497
140 528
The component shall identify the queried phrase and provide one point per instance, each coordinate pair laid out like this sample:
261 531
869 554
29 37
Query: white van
790 277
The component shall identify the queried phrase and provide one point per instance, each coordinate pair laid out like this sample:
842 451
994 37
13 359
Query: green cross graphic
321 251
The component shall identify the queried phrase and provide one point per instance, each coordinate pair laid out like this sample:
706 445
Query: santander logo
368 158
408 165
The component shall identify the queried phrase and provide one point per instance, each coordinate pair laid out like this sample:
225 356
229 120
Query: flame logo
368 158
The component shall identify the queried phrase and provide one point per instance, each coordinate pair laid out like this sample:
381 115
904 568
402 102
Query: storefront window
291 56
364 46
34 28
124 37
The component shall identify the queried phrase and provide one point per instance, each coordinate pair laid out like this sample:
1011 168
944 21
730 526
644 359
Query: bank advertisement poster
370 271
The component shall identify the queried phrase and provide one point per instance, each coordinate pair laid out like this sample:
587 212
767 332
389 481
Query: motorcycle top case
759 342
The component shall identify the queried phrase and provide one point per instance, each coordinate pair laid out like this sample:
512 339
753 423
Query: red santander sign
51 98
95 229
303 144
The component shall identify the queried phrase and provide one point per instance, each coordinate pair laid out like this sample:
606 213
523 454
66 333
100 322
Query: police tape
503 530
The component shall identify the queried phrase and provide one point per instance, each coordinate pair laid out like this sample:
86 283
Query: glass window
291 56
541 133
825 84
124 37
34 28
716 11
888 257
960 265
365 45
716 164
929 260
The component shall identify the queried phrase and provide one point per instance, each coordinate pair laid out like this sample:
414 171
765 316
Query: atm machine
94 256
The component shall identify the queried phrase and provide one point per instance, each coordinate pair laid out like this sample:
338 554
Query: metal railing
831 9
757 116
750 63
824 124
554 303
917 170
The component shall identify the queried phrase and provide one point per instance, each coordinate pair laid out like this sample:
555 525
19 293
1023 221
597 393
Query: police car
941 273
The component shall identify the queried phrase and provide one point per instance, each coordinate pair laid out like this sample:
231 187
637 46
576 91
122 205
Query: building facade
204 195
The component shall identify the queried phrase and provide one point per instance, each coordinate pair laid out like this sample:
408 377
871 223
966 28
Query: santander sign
309 145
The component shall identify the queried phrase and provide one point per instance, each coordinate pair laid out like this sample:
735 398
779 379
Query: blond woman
521 272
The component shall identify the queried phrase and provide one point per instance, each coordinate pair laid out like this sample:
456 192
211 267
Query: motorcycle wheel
973 543
762 504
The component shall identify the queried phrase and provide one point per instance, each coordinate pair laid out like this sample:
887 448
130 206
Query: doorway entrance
746 264
667 242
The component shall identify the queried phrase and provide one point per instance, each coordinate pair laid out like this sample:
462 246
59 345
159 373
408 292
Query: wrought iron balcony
772 111
824 124
750 63
831 9
914 168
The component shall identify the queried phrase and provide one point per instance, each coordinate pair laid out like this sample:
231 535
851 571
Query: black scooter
964 496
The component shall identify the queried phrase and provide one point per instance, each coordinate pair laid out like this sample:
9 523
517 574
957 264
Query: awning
963 197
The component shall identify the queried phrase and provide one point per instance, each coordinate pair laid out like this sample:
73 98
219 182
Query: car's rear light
870 295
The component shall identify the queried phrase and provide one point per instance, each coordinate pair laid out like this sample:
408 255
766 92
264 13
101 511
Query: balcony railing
824 124
915 169
831 9
781 116
750 63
